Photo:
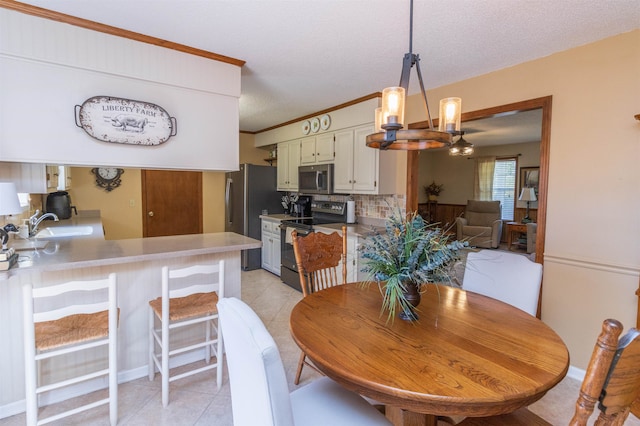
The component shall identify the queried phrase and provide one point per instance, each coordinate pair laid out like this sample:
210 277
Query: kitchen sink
64 231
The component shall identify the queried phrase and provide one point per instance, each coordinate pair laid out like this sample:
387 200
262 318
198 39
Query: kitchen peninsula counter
137 263
82 252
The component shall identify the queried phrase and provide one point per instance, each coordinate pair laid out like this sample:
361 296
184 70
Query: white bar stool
186 300
80 325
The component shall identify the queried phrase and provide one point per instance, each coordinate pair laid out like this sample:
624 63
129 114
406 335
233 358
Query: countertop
357 229
94 250
278 217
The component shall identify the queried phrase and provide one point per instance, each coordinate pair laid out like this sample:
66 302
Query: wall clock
108 177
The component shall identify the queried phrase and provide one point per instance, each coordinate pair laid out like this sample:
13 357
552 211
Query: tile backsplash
379 206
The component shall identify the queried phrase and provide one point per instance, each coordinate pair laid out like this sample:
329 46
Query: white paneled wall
46 68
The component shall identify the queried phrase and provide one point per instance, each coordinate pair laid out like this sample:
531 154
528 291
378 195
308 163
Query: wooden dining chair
612 380
318 256
259 391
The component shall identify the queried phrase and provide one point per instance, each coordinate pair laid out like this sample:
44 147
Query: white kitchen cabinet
271 245
360 169
356 165
288 162
317 149
28 177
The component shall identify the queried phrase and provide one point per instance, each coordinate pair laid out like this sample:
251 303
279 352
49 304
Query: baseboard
89 386
576 373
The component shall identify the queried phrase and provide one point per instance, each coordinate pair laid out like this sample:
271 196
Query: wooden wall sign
125 121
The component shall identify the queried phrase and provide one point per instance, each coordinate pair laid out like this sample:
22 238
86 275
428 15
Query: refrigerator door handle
227 199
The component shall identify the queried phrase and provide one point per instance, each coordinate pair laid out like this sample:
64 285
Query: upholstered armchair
481 225
532 229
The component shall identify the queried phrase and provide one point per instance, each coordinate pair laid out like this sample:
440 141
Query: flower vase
411 294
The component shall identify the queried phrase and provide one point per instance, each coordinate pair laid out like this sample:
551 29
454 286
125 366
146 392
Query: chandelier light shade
390 132
379 120
393 107
461 147
450 112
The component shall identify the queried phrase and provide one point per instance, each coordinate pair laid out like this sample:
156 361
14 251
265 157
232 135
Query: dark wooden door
171 203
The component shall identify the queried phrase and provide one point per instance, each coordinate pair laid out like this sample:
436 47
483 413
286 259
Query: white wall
46 68
592 252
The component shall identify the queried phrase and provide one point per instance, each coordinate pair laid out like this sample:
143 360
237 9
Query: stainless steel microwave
316 179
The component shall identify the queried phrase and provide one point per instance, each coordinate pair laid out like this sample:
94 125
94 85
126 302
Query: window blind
504 186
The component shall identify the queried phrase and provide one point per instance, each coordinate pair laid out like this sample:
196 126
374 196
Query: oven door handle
303 232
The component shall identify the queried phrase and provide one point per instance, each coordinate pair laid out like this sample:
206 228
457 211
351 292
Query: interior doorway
544 104
171 203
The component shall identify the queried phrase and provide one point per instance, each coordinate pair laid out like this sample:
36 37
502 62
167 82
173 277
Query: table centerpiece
410 253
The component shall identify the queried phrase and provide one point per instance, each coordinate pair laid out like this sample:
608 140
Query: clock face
108 177
108 172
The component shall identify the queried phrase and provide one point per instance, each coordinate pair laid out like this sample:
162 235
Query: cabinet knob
150 214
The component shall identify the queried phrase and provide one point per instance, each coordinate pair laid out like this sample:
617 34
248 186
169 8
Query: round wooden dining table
467 355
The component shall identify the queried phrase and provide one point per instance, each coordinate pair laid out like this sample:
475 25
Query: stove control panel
331 207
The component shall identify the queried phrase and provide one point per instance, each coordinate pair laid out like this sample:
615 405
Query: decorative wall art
125 121
529 178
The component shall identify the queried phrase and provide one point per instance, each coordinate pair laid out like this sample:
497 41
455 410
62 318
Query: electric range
322 212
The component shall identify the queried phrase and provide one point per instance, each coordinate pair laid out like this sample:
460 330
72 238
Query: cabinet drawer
270 226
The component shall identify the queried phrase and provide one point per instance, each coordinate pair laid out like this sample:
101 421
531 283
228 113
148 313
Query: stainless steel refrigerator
249 192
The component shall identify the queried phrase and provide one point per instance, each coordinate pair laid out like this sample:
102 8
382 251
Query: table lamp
528 195
9 204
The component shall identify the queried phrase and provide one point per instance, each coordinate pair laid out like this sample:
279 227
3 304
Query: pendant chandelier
389 119
461 147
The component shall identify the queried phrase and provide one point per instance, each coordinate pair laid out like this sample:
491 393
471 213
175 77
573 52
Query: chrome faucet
34 221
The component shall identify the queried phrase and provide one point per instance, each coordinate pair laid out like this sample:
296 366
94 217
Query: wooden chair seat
71 330
191 306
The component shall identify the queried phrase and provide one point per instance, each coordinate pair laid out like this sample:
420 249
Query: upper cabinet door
365 165
308 150
317 149
343 169
288 162
325 151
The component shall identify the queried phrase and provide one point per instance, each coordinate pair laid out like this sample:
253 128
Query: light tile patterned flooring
196 400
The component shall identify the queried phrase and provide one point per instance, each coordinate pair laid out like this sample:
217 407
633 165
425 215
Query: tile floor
196 400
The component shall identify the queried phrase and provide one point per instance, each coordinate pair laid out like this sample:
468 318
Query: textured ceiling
304 56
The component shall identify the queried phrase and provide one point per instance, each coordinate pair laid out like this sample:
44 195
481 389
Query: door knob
150 214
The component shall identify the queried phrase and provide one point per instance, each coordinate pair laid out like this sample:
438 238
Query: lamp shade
393 106
450 111
528 194
9 203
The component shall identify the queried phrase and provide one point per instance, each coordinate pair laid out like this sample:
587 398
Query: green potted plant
433 190
410 253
